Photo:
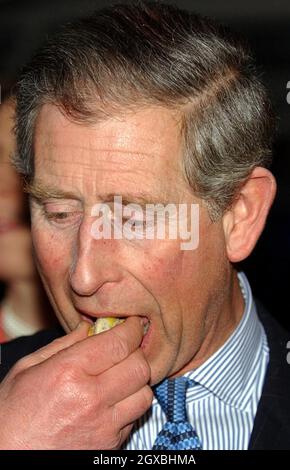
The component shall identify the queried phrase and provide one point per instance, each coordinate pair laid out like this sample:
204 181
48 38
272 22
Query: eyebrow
41 192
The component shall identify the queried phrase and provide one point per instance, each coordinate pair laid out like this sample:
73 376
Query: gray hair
132 55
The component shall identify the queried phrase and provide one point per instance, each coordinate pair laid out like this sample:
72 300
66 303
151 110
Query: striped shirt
222 405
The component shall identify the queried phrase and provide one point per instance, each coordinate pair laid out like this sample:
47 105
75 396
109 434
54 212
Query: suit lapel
272 422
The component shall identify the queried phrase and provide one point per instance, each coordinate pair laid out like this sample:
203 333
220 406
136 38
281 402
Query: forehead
145 144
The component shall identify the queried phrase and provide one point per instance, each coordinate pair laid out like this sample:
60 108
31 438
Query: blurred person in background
23 309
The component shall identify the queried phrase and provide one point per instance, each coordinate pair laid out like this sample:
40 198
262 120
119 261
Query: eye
63 218
133 216
61 214
58 215
135 223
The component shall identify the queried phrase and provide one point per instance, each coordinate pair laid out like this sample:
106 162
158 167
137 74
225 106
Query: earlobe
244 222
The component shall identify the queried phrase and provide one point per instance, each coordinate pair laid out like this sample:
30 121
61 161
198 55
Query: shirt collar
228 371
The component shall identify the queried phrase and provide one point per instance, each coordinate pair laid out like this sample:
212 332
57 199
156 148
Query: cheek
181 266
169 272
52 254
184 278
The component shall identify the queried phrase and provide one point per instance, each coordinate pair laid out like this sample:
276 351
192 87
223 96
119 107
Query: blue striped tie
177 433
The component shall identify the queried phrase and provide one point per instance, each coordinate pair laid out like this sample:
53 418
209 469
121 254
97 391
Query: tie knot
171 395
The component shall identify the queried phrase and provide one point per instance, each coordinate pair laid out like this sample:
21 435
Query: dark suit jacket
272 422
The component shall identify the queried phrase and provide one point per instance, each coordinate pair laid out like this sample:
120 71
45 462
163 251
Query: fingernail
81 325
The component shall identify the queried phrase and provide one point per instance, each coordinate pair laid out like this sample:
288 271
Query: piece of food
104 324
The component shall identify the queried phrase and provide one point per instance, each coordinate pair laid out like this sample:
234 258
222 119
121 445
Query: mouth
93 320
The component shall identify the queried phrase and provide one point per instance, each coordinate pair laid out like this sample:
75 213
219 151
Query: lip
90 317
87 318
95 315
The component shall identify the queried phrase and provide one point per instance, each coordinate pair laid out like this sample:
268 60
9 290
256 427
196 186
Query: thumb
59 344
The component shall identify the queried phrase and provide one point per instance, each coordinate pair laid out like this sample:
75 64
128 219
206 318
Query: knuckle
73 391
141 368
100 394
85 405
113 442
21 365
65 365
116 441
114 438
147 397
116 418
66 373
68 391
57 343
65 377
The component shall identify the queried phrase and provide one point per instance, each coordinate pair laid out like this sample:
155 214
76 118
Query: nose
94 262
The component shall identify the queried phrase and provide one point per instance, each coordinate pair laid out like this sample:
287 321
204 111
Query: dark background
24 24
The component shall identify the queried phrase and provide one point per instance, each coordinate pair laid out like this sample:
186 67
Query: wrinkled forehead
152 129
144 145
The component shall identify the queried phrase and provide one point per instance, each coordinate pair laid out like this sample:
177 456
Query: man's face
136 154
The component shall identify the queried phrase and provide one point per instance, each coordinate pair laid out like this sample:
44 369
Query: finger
124 434
101 352
133 407
124 379
119 439
54 347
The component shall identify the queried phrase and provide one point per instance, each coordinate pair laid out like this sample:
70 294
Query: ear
245 220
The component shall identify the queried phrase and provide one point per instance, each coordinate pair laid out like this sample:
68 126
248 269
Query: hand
77 392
